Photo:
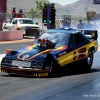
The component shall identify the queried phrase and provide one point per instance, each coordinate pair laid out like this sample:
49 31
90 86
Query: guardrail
11 35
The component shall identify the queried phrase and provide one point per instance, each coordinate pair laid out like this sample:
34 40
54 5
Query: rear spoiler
91 34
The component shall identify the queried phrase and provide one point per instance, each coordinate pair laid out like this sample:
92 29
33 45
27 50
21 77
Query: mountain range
77 8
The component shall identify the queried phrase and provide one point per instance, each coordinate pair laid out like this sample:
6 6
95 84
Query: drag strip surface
14 46
78 86
67 87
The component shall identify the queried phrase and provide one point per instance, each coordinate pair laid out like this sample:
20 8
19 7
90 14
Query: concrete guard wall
11 35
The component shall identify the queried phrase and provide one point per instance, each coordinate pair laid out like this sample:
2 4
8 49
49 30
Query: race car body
51 52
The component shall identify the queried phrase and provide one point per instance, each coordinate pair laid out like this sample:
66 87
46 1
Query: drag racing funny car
52 52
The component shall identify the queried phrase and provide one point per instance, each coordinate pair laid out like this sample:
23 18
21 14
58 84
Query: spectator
66 24
10 17
80 25
61 24
95 25
89 25
13 12
20 11
84 25
36 23
20 14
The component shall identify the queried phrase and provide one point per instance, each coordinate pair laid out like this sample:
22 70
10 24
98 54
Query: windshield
59 38
25 21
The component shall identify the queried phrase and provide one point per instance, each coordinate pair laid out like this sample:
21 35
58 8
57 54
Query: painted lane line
98 48
1 56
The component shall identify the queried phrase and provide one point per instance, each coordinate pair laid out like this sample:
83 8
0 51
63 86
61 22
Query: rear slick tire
88 61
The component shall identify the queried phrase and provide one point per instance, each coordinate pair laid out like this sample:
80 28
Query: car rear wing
91 34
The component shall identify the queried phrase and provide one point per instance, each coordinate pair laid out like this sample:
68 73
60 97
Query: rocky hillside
78 8
20 4
82 6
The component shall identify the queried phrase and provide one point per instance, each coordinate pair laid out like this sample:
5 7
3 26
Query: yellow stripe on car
75 55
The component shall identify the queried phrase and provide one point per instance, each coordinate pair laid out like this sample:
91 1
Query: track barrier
11 35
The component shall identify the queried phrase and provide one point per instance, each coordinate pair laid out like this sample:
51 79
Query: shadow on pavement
79 72
65 73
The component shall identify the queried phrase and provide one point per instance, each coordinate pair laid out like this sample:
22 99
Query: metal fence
73 18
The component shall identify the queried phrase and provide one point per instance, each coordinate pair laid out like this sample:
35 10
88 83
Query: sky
63 2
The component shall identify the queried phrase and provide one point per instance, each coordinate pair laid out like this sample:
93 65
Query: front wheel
53 69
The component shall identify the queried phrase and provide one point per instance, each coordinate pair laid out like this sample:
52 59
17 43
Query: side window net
72 42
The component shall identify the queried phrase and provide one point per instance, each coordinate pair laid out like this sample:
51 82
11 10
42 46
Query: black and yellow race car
53 51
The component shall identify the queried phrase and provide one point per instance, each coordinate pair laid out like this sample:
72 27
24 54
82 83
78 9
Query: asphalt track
77 86
72 86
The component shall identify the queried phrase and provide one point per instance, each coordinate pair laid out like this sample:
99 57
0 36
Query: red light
44 16
45 24
44 10
44 13
50 16
50 24
50 10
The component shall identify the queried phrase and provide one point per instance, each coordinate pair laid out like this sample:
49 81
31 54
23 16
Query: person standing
66 24
20 14
89 25
13 12
20 11
95 25
80 25
61 24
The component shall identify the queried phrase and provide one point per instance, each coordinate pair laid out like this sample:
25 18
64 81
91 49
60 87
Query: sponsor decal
81 53
25 57
62 53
